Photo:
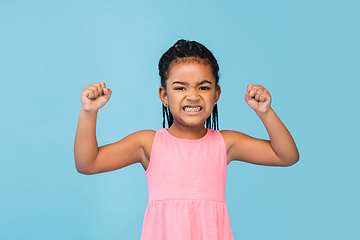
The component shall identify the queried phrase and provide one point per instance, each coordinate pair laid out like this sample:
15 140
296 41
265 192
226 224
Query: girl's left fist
258 98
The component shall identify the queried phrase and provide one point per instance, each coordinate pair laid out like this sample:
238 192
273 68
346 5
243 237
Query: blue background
306 52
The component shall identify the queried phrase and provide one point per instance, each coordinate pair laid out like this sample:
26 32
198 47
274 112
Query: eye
204 88
179 88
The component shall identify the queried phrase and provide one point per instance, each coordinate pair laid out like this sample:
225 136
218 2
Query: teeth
192 109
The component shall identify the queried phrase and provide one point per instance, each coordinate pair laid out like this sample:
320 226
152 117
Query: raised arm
281 150
89 158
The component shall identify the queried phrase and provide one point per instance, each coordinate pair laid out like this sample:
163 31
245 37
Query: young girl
185 165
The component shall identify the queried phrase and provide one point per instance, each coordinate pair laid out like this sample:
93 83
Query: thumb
249 95
107 92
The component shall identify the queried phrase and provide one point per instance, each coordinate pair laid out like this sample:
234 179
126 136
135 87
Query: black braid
167 114
183 50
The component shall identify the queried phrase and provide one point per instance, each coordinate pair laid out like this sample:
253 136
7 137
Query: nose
193 96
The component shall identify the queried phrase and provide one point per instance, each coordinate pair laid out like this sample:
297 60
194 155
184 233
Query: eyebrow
186 84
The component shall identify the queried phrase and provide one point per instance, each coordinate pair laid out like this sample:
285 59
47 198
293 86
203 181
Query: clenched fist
258 98
95 96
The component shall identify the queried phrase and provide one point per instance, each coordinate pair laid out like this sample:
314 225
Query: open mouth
192 109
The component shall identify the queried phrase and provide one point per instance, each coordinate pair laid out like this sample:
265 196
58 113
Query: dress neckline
188 140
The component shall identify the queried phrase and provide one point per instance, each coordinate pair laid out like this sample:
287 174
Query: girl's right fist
95 96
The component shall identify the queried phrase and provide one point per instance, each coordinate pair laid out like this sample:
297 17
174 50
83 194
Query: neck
187 132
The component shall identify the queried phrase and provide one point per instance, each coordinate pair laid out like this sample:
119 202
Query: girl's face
190 93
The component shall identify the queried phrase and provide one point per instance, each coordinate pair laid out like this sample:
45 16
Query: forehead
191 72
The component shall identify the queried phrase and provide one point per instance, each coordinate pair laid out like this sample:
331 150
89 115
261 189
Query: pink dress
186 182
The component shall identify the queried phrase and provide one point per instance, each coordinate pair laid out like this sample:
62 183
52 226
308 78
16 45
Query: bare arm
281 150
89 158
93 98
281 140
85 146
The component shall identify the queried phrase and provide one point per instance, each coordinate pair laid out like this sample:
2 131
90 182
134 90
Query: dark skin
190 93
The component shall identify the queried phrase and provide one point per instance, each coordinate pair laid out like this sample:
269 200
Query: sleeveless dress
186 186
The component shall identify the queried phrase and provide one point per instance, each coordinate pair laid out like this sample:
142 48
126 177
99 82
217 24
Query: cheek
174 96
211 97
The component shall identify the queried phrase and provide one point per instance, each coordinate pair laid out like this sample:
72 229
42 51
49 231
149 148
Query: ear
163 96
217 94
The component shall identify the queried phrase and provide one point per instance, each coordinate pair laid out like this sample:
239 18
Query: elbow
291 161
288 164
83 170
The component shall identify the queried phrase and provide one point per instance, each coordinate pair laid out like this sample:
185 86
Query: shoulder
144 133
144 137
234 138
140 139
231 136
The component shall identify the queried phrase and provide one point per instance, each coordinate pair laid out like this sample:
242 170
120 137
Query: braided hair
188 51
